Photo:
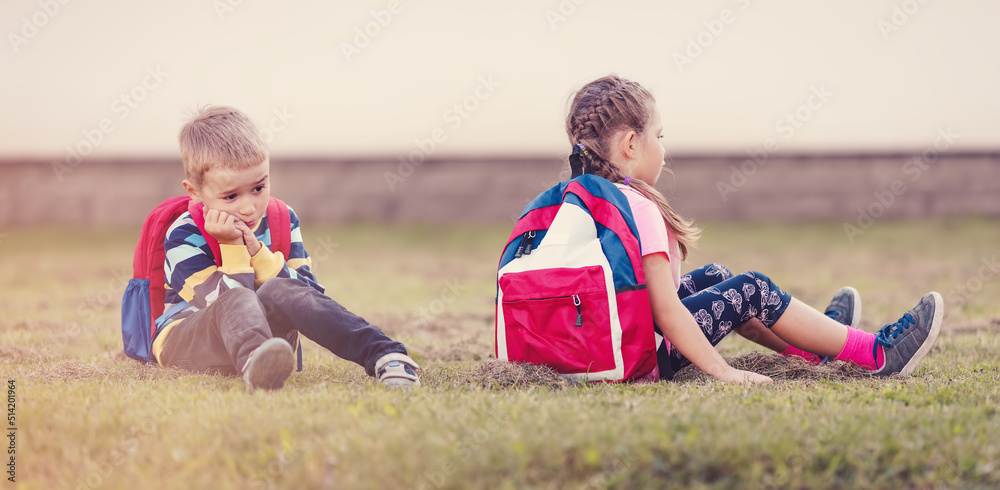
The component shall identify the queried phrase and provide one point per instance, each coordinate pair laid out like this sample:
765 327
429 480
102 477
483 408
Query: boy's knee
237 296
274 290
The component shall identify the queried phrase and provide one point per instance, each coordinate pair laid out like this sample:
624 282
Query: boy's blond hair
219 136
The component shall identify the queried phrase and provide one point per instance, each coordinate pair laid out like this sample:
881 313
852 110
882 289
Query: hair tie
576 162
627 179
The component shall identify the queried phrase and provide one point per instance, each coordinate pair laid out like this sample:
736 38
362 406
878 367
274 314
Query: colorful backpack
143 301
571 293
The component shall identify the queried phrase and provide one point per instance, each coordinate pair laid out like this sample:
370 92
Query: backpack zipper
579 311
524 248
531 241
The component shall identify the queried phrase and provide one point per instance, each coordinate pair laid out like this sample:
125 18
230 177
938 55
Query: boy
244 316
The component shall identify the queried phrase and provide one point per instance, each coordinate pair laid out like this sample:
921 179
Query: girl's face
650 155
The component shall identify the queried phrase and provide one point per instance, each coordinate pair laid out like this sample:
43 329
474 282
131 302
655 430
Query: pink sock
796 352
858 349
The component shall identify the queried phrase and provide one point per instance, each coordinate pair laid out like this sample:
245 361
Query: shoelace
892 330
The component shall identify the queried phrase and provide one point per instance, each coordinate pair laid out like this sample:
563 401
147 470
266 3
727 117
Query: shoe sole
931 336
403 383
272 365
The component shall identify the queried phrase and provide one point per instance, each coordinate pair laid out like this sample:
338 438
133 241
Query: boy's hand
253 245
222 226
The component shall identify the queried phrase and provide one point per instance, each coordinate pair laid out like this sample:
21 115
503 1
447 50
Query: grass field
88 417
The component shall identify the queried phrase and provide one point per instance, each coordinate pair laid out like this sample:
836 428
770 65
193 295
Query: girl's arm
679 327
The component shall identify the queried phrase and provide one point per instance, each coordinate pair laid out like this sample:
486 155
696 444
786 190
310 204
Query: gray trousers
221 337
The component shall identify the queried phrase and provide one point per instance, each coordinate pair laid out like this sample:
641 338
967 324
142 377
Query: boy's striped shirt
193 280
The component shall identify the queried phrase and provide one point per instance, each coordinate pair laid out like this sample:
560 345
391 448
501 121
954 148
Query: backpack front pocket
560 318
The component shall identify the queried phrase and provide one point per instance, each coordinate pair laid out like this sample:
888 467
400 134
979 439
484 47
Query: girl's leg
703 277
752 296
809 330
721 308
712 274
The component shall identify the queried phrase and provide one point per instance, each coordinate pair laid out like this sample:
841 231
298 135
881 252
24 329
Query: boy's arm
190 266
267 264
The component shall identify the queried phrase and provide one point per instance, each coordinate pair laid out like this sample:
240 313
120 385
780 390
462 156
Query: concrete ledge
719 187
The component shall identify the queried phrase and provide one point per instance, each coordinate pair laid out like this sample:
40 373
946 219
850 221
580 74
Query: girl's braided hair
599 111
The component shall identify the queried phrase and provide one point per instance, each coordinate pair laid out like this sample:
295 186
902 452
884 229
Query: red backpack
144 296
571 291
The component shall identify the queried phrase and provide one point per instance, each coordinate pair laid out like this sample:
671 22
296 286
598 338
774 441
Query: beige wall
784 187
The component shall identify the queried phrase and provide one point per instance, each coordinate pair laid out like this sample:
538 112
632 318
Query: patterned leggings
721 302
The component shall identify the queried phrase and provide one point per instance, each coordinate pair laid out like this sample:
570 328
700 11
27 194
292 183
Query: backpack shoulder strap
279 221
147 262
197 211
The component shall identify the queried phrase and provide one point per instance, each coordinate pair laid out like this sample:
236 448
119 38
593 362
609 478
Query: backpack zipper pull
531 241
579 311
520 248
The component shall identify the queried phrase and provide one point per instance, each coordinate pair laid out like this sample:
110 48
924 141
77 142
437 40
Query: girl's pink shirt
654 237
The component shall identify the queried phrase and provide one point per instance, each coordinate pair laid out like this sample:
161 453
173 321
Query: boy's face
241 193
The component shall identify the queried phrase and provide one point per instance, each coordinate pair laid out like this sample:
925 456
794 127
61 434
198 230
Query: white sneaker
269 365
397 371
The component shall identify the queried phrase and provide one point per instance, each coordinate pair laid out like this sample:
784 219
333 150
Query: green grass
90 418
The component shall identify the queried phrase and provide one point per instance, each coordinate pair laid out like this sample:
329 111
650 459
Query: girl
615 128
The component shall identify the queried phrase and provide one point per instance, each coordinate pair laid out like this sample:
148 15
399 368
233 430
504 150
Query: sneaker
845 307
269 365
397 371
906 342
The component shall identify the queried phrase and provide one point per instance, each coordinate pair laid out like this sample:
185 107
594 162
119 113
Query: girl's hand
679 326
253 245
222 226
730 374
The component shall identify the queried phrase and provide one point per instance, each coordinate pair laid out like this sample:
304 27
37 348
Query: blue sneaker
845 307
906 342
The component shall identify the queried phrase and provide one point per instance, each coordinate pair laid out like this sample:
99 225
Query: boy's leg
291 304
218 338
721 308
